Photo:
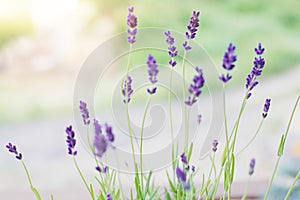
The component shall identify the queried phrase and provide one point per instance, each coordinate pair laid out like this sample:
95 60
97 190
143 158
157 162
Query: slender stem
33 189
127 111
292 186
171 124
272 178
27 173
83 179
184 96
225 115
130 136
141 139
252 139
246 189
217 183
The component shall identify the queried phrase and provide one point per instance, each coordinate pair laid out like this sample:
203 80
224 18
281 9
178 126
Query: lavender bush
181 179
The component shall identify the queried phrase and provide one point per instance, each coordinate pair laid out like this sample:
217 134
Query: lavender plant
181 185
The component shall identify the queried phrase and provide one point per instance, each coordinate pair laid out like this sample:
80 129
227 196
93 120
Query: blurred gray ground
42 143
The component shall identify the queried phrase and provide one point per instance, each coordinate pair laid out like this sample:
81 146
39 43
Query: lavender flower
251 166
109 134
199 118
71 141
195 87
258 65
152 71
172 49
98 168
182 178
266 108
132 23
105 169
184 159
109 197
100 144
192 29
228 62
13 149
215 145
97 126
127 90
84 112
193 168
180 175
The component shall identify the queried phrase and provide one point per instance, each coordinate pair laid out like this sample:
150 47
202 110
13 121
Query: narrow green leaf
167 195
224 155
36 192
138 186
281 145
190 152
153 194
147 184
91 190
232 168
173 189
131 195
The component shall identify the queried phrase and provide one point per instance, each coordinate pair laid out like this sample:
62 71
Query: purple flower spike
109 197
127 90
105 169
132 23
259 50
199 118
193 25
258 65
225 78
172 49
184 159
97 126
13 149
98 168
228 62
180 175
251 166
152 71
193 168
215 145
84 112
182 178
100 144
109 134
71 141
195 87
266 108
192 29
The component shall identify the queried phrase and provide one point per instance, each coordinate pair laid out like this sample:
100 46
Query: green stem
33 189
127 112
225 115
83 179
217 183
292 186
184 96
141 140
246 189
272 178
252 139
171 124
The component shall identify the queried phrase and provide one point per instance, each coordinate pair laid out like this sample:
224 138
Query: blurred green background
44 42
